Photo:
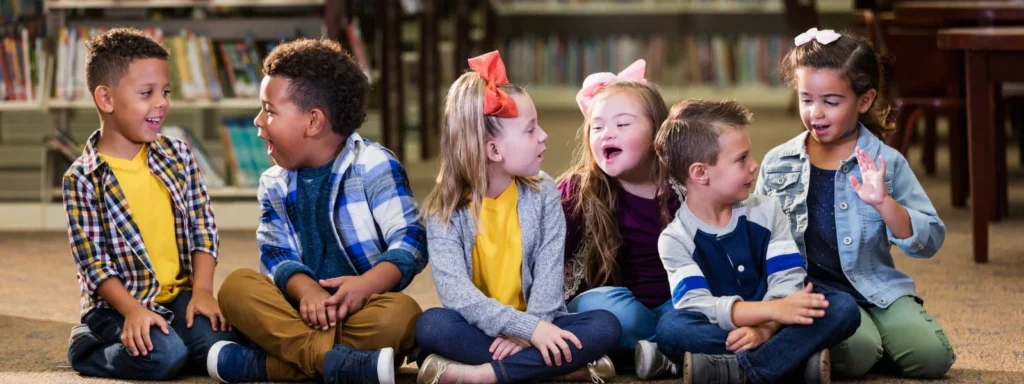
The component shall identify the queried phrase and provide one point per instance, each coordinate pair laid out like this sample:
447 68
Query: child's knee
168 357
237 285
399 324
607 326
926 358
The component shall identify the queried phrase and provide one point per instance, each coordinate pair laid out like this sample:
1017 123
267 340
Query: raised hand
872 190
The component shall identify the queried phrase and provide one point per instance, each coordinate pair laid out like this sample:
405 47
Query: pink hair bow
597 81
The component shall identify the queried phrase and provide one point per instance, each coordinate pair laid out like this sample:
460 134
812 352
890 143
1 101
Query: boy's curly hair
322 76
110 54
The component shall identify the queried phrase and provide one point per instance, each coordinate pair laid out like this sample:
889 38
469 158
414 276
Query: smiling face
520 148
829 108
621 136
140 100
733 174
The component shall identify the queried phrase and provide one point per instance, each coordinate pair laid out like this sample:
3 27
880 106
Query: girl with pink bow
615 209
495 232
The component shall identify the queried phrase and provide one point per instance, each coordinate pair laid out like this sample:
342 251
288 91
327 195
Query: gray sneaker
719 369
651 363
819 368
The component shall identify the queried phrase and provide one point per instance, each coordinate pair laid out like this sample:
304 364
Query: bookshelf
87 4
720 49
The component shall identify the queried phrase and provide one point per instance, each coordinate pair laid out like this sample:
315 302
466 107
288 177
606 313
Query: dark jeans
445 332
685 331
100 352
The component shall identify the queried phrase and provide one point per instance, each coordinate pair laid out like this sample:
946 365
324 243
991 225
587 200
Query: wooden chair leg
958 178
1002 188
928 143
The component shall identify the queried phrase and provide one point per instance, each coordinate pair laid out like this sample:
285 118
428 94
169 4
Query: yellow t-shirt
498 250
150 206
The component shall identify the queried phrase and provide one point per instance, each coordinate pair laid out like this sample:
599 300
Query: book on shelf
246 154
12 10
210 174
721 61
22 67
200 68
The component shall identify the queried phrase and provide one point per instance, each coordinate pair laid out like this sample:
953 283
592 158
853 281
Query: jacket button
843 206
780 180
740 268
882 301
847 240
846 169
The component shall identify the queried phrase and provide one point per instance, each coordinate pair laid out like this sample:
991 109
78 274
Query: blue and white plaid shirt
372 211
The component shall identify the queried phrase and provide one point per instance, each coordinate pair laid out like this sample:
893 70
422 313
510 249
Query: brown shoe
432 369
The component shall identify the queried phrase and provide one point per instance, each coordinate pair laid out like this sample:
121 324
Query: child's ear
491 151
317 122
104 97
865 101
698 172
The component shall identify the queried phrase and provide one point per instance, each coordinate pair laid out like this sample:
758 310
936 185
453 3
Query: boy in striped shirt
743 313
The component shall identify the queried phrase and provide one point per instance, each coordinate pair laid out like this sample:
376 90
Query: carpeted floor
980 306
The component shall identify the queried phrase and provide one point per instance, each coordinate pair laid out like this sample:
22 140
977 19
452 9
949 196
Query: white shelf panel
546 97
71 4
657 8
175 104
232 193
20 106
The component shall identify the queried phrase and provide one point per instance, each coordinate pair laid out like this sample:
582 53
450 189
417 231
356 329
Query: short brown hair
690 135
322 76
111 53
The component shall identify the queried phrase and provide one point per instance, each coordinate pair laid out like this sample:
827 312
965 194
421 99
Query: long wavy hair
597 193
465 129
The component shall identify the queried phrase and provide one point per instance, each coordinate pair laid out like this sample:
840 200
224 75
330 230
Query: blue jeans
100 353
445 332
638 322
685 331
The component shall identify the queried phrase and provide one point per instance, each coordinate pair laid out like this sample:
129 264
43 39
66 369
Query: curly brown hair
322 76
110 54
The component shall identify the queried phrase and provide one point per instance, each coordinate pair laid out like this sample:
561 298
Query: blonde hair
596 193
465 129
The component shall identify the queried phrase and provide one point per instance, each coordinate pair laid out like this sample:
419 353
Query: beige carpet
980 306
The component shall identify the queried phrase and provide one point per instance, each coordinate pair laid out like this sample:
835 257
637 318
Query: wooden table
993 56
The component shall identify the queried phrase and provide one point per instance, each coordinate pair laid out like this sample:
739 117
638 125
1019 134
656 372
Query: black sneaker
345 364
230 362
818 369
719 369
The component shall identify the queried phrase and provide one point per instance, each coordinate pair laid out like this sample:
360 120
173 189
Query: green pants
906 336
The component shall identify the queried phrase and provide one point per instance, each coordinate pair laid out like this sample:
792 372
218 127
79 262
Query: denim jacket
863 238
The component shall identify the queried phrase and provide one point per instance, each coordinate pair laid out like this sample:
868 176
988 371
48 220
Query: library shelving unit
714 49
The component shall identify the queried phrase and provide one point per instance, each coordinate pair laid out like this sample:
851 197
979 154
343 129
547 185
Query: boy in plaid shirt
140 225
339 235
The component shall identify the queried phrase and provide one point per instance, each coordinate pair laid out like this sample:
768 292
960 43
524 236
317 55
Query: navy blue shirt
321 252
823 265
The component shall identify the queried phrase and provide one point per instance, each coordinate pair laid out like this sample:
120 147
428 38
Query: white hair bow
824 36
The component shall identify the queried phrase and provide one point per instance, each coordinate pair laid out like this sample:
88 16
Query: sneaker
432 368
230 362
722 369
601 370
651 363
819 368
344 364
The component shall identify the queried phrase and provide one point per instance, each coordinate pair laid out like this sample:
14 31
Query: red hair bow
496 101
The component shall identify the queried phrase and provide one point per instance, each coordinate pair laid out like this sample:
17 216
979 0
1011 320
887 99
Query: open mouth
154 122
820 128
611 152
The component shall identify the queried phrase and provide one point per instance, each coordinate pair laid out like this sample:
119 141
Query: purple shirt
640 224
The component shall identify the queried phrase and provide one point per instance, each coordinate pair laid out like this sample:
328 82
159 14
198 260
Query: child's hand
550 339
872 190
800 308
203 303
504 346
745 338
135 334
351 296
313 310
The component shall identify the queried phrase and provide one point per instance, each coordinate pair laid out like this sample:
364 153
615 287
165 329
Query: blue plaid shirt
106 243
372 211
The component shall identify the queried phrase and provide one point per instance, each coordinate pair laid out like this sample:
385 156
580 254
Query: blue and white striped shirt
753 258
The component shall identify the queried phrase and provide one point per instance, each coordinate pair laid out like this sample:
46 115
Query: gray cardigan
450 249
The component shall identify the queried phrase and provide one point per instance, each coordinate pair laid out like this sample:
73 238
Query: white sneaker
651 363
